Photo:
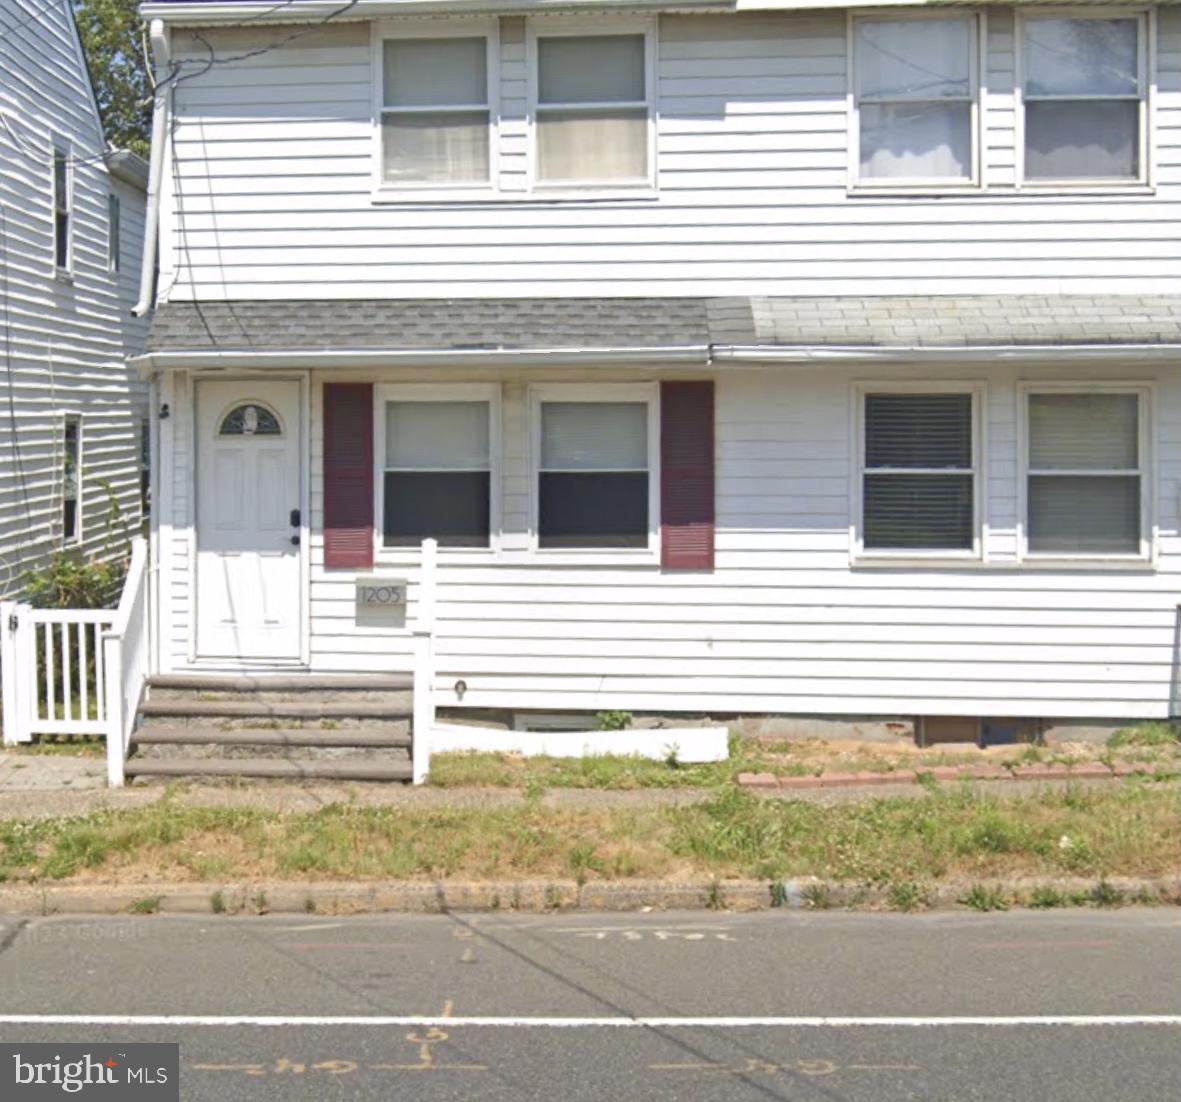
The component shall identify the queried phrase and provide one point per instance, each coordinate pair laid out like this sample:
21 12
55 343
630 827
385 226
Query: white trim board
691 744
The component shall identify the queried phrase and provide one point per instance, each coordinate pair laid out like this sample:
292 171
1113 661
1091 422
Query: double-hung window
915 87
1083 98
436 111
1085 474
437 477
114 221
62 209
595 476
918 472
593 109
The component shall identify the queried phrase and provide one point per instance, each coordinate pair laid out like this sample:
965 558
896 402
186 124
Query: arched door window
250 419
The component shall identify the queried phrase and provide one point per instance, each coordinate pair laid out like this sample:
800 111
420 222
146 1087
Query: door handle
294 518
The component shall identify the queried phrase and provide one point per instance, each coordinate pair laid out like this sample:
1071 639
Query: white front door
249 451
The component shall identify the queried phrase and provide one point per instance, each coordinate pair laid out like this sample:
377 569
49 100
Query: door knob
295 541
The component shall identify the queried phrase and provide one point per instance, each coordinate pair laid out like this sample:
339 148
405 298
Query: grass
72 746
1151 744
958 832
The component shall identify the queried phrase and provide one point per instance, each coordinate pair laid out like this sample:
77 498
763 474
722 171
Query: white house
73 414
742 357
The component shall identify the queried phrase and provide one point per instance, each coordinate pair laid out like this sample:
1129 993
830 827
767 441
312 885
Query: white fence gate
77 671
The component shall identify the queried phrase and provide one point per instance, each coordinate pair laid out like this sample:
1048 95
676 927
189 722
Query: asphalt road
948 1007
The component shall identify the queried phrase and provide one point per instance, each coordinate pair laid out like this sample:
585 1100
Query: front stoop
283 727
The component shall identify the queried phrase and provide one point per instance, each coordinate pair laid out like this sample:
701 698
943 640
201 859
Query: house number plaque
381 600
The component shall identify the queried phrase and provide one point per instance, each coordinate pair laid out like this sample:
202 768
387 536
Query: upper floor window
919 473
62 209
113 232
436 111
915 86
593 109
1083 95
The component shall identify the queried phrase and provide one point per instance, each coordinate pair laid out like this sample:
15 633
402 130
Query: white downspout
163 100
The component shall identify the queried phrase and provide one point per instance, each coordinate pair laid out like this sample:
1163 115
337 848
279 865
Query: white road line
396 1020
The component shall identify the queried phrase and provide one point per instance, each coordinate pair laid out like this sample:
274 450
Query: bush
68 582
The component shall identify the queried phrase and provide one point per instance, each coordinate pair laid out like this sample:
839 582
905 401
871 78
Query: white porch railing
77 671
126 652
424 664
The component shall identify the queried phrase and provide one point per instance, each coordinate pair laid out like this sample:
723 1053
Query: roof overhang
369 358
947 354
129 167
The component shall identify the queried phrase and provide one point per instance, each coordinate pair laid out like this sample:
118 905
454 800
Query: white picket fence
78 671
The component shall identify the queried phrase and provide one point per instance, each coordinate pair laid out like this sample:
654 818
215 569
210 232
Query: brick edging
1091 770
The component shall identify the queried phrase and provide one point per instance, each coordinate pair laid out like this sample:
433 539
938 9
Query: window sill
913 191
1089 562
484 196
949 561
1066 188
63 275
975 191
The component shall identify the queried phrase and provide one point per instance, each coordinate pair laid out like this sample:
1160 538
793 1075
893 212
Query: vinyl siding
65 343
785 623
273 159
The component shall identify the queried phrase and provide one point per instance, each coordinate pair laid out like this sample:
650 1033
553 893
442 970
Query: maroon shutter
687 476
348 475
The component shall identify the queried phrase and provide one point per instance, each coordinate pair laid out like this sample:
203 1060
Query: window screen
918 489
438 473
914 98
435 116
593 476
1082 98
592 108
1084 475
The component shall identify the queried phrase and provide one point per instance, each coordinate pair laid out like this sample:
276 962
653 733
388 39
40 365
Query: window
436 114
594 476
62 200
437 477
915 92
1083 98
145 468
918 473
593 109
1085 474
113 231
71 475
250 419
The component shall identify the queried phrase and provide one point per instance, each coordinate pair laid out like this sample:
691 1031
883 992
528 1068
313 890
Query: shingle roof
649 323
417 324
957 320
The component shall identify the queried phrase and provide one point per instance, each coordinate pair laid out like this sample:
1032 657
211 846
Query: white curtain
916 140
1082 139
594 436
603 145
435 147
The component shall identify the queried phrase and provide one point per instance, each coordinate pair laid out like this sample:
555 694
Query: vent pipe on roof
163 99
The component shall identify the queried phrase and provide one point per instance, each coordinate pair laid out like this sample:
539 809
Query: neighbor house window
593 109
918 473
1083 97
437 478
145 468
595 471
62 206
914 90
436 113
1085 474
113 231
71 481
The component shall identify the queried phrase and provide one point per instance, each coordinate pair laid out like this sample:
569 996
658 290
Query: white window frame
75 539
440 392
1146 50
978 67
62 147
1146 448
859 553
560 27
488 29
540 393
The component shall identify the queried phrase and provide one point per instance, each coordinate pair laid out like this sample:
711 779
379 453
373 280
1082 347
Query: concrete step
254 708
367 737
286 683
340 769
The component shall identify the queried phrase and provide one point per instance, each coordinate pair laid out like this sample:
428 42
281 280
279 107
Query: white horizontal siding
65 343
784 623
273 157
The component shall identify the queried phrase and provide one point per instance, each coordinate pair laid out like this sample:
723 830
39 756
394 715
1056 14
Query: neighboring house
73 414
765 361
